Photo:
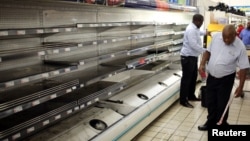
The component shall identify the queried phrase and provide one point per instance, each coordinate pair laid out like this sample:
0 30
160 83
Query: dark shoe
186 104
203 127
194 99
225 124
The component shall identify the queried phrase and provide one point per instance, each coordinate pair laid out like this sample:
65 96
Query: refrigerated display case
68 66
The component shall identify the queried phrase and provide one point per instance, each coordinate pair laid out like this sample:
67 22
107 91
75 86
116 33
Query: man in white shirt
225 54
192 48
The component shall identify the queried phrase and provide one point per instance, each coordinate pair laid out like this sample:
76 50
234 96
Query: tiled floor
179 123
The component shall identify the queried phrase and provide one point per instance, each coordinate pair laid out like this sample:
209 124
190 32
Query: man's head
248 25
228 34
198 20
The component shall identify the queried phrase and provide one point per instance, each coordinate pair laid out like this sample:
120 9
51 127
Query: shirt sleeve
210 45
243 61
202 33
193 36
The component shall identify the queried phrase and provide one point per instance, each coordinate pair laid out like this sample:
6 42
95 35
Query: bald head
229 34
229 29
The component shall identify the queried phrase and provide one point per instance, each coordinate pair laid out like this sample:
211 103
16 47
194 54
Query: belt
194 57
232 74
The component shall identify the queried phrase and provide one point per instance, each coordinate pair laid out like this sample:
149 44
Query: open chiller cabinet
74 59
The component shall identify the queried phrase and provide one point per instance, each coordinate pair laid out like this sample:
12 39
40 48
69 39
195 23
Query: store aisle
179 123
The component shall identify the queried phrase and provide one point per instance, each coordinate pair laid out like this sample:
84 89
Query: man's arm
242 77
192 41
204 60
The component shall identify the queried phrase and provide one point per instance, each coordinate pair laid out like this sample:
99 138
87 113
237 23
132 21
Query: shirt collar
194 26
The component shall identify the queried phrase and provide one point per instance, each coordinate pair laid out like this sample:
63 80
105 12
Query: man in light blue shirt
245 35
225 54
192 48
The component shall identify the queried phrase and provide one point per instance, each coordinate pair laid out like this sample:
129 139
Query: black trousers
217 95
189 76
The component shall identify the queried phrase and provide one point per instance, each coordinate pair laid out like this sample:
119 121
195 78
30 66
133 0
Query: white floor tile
180 124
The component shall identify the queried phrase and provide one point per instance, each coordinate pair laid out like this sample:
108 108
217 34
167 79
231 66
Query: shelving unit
50 73
221 17
236 19
215 21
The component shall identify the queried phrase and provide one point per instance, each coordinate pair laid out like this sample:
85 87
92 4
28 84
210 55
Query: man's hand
238 92
202 72
208 33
